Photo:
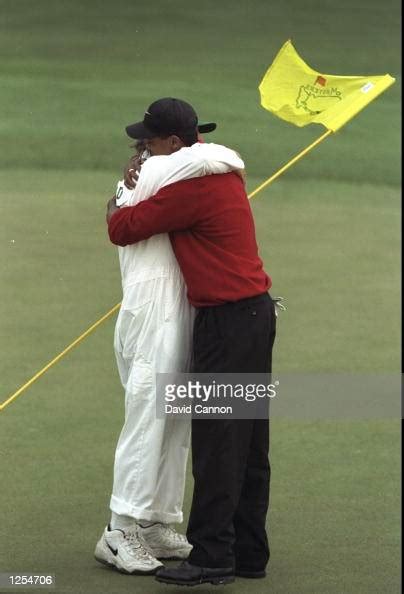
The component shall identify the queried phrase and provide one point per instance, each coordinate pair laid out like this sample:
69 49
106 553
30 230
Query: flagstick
114 309
56 359
291 162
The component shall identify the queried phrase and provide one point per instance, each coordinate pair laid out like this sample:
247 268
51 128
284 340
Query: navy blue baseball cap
168 116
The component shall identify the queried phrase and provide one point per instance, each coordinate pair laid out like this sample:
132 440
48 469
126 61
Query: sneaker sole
125 571
112 565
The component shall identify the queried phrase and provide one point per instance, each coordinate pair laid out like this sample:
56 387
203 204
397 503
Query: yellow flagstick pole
290 163
56 359
116 307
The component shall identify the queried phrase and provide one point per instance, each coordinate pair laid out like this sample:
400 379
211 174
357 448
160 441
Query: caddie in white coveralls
153 334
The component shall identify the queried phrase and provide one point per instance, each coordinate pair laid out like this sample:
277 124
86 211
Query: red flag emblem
320 80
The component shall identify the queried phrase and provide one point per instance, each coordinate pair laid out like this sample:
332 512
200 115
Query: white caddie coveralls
153 334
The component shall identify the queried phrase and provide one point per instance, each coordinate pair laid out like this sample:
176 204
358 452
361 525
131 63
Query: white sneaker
125 551
165 542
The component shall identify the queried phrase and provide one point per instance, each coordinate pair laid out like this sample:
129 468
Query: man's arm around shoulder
175 207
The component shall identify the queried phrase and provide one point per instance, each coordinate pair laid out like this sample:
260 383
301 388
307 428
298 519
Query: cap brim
139 131
204 128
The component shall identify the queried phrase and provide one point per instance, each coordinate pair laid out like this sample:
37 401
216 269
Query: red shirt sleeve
174 208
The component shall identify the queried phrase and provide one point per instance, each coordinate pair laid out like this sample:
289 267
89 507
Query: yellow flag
300 95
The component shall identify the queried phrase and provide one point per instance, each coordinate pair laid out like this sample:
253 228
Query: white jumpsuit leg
153 335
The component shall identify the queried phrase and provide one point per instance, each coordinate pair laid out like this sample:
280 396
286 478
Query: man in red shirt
212 233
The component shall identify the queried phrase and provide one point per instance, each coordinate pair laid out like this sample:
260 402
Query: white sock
119 522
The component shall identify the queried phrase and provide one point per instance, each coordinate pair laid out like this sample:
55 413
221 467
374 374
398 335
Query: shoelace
133 542
172 532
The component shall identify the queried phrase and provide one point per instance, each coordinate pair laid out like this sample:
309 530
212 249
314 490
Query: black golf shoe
192 575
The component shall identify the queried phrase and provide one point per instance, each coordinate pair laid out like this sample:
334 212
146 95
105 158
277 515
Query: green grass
335 484
72 76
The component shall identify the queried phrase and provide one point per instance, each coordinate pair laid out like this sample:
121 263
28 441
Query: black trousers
230 457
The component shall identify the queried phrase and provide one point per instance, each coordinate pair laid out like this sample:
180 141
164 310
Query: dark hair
139 145
189 138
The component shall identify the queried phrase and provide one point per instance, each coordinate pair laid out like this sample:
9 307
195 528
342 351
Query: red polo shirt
212 232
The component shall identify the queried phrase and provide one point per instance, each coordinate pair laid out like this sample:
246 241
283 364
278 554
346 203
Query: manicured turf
72 76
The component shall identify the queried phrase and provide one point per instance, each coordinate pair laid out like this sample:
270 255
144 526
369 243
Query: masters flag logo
300 95
315 100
